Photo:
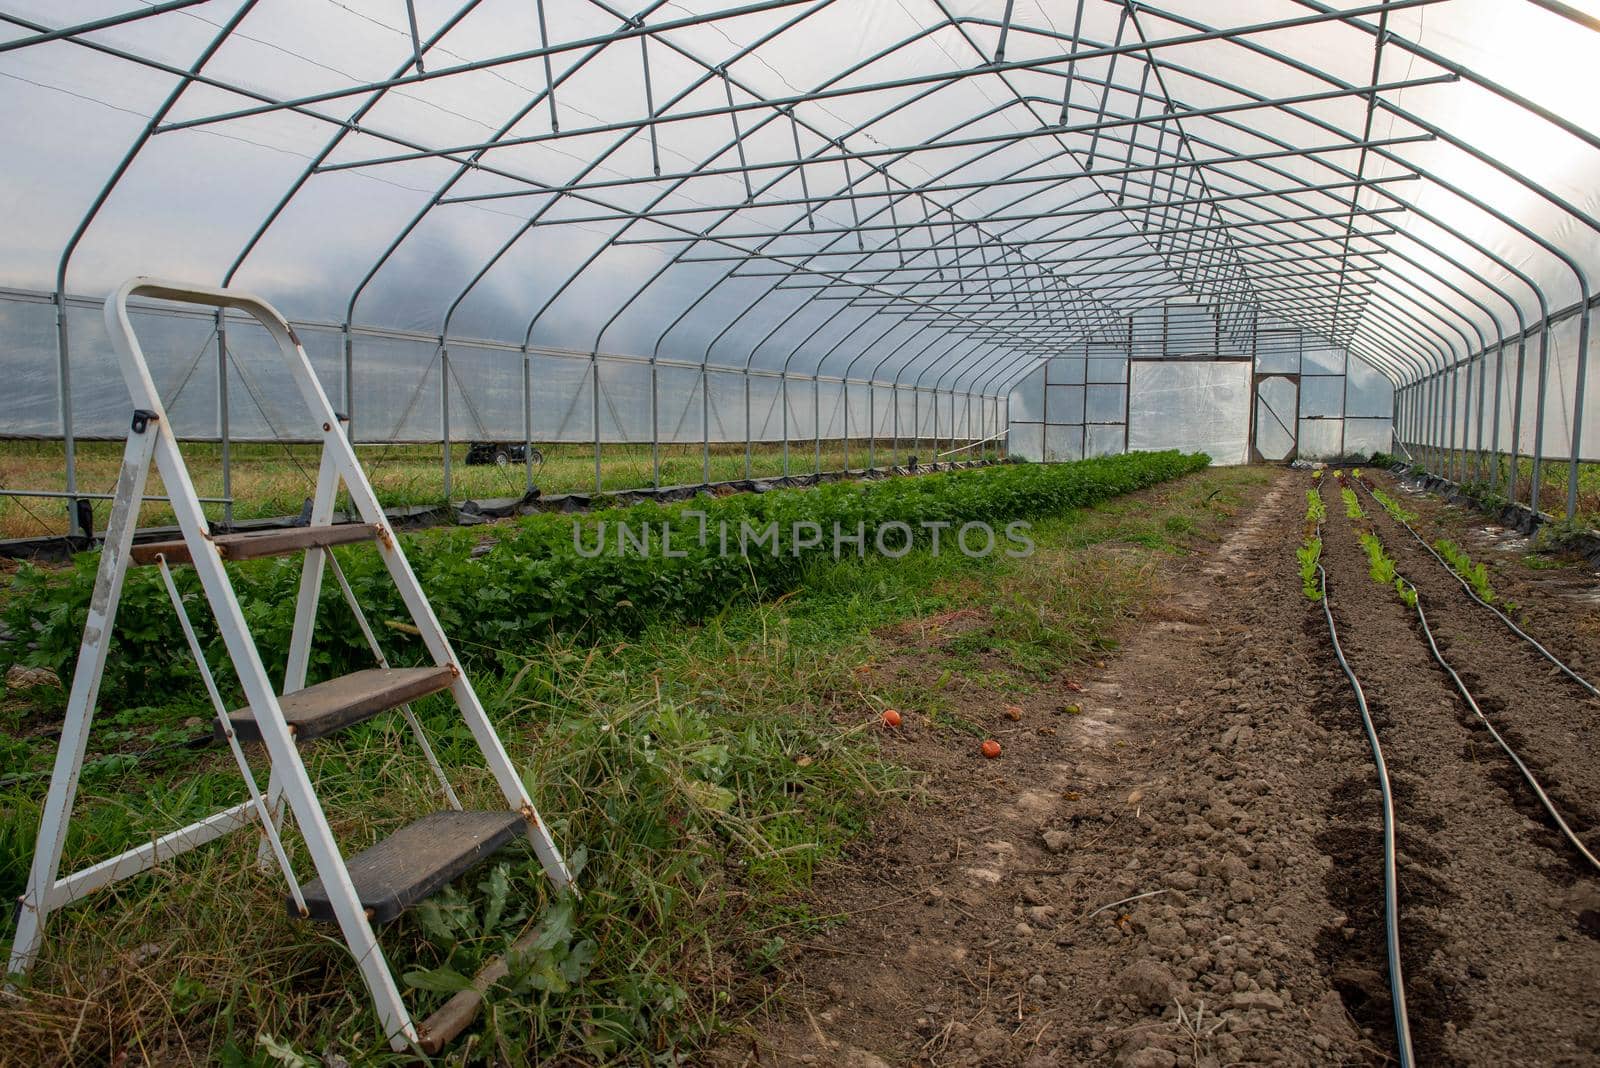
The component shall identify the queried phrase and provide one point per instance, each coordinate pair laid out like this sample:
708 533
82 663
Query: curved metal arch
1412 330
1571 264
1145 45
679 257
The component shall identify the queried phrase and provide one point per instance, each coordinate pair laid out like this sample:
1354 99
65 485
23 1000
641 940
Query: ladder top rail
208 296
137 372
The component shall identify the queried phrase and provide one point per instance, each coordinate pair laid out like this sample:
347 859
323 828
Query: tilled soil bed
1557 594
1188 872
1551 721
1496 968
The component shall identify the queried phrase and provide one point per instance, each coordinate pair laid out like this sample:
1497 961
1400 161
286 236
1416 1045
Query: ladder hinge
142 418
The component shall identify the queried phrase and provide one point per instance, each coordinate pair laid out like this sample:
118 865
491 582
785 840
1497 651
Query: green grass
274 479
700 775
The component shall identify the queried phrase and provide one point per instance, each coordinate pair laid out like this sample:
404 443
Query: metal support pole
783 389
1494 425
1516 409
223 435
655 426
594 414
69 441
894 440
916 421
1535 482
1455 420
350 383
845 392
1483 393
705 425
816 416
1006 441
1441 418
1577 410
527 419
749 431
871 429
444 414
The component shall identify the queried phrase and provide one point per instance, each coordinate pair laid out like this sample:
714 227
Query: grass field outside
699 775
274 479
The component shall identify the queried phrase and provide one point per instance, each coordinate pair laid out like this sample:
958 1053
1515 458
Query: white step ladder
399 871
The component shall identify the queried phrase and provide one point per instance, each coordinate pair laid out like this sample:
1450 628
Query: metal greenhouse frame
879 221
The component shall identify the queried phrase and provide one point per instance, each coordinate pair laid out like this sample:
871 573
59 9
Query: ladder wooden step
416 862
259 543
345 701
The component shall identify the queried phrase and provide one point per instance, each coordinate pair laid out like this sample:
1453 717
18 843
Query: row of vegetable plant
541 575
1476 575
1310 552
1380 566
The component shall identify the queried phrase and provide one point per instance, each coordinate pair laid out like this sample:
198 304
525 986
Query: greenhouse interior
846 532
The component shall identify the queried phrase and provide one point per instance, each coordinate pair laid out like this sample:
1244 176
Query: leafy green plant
1309 555
1392 506
1352 504
1316 511
1476 575
1379 566
1383 571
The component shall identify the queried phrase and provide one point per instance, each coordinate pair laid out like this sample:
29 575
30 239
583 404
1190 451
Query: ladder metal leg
305 621
35 903
286 763
433 636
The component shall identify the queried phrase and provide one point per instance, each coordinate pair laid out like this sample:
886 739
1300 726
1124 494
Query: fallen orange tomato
891 718
991 748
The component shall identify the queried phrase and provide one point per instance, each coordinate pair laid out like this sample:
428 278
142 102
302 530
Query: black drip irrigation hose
1391 892
1518 631
1544 799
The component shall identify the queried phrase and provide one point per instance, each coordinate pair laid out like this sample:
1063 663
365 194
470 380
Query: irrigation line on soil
1391 894
1524 635
1427 632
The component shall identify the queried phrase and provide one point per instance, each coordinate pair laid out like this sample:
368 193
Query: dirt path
992 925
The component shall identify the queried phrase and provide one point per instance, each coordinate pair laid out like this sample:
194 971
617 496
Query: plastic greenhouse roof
828 186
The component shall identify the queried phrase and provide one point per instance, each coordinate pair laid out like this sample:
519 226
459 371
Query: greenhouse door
1276 416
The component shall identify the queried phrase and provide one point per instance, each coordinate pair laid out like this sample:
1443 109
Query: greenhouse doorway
1277 409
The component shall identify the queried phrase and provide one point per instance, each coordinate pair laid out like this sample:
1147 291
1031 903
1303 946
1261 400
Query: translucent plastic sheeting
1499 368
931 196
1191 405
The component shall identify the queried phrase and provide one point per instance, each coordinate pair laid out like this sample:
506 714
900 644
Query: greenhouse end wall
1233 384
